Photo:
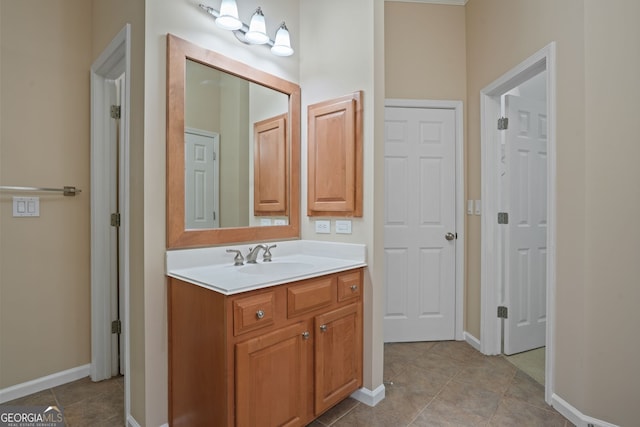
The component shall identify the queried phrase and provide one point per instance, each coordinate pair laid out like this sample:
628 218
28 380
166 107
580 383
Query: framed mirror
233 150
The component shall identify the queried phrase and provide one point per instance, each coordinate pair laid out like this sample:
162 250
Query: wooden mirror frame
178 52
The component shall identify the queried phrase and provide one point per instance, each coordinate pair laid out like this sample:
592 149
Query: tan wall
109 17
330 66
597 269
425 56
187 21
611 291
44 142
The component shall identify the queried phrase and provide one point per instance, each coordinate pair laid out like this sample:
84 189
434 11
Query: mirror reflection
224 122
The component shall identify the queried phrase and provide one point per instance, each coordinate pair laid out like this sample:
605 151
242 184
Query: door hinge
503 312
503 123
115 219
503 218
116 327
115 111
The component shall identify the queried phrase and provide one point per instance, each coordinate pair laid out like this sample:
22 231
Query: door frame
457 107
114 61
490 325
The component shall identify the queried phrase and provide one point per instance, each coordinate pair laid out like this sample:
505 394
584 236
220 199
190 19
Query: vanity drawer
311 295
349 285
254 312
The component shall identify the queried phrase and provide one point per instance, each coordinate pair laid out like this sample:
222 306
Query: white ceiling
451 2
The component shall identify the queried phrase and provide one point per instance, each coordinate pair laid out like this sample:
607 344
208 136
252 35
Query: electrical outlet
343 227
265 221
478 204
323 227
280 221
26 206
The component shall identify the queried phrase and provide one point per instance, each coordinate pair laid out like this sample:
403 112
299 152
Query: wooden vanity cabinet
279 356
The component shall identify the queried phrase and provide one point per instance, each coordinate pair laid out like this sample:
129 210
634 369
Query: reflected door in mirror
202 183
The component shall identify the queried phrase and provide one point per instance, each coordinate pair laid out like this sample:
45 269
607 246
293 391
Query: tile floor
83 402
444 383
448 383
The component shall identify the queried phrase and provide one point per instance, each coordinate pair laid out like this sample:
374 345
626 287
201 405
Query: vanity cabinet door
338 355
271 378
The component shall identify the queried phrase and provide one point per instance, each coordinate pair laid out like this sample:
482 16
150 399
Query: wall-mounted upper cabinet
270 167
335 157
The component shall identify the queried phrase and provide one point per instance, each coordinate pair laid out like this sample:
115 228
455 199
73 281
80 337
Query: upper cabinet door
335 157
270 166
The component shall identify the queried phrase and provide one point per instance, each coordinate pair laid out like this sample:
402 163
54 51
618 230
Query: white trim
448 2
43 383
490 325
575 416
457 106
131 422
368 397
471 340
112 62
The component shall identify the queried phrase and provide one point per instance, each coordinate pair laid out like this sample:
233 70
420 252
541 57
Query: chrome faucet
253 253
238 259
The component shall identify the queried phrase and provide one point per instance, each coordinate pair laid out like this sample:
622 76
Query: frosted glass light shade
228 18
257 33
282 44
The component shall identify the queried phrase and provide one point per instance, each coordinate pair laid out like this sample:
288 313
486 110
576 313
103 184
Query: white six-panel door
201 179
420 194
526 242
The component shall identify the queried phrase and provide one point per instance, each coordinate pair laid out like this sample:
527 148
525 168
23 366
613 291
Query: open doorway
110 106
518 224
522 194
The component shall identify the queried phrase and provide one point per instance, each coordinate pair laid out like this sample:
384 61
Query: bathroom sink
276 268
214 268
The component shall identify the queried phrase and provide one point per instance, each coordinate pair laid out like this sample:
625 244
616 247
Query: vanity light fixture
255 32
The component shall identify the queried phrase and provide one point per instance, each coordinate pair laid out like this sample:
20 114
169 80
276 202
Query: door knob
449 236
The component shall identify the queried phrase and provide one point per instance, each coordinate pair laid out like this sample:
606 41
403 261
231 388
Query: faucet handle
238 259
266 257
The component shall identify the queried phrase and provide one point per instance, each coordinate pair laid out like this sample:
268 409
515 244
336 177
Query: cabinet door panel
338 363
334 185
270 166
271 378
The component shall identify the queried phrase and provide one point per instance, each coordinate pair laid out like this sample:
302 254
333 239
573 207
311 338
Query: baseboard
131 422
472 341
368 397
574 415
24 389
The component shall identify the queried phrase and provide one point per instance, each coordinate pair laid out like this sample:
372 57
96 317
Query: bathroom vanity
266 344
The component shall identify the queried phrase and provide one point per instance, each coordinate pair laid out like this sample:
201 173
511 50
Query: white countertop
292 260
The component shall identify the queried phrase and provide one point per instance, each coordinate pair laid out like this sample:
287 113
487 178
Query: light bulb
282 44
257 33
228 18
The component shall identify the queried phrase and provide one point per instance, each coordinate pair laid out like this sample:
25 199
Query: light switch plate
26 206
469 207
343 227
478 204
323 227
265 221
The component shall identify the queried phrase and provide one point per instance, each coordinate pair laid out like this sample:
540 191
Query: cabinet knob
305 335
323 328
354 288
259 314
